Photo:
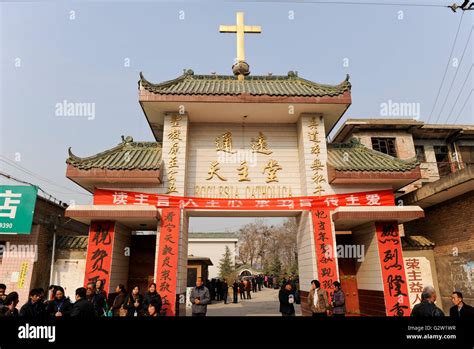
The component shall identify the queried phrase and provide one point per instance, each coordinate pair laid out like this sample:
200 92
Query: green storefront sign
17 205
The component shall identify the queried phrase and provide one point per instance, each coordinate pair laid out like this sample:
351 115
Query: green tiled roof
128 155
356 157
212 236
271 85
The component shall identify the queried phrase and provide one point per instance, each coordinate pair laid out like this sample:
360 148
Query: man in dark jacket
97 299
199 298
427 307
460 309
82 308
235 291
34 308
9 305
286 296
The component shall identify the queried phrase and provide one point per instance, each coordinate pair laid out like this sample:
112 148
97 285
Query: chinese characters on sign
325 252
395 285
17 206
418 271
167 267
259 145
99 252
174 136
317 167
375 198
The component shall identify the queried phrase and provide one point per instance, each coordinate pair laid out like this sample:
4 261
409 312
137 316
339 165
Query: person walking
242 290
225 291
199 298
248 289
427 306
460 309
318 300
235 291
338 301
82 308
287 299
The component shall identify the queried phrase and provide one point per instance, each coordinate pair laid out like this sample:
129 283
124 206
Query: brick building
445 191
21 272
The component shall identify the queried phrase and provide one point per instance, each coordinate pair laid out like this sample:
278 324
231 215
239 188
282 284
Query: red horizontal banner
371 198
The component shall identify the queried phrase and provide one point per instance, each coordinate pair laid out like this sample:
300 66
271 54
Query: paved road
263 303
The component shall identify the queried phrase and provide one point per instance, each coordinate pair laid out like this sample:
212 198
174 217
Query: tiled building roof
271 85
71 242
416 242
131 155
128 155
356 157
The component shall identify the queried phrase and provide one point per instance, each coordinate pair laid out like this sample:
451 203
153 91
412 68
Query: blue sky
47 57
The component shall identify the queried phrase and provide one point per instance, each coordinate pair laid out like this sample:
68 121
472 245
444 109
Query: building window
467 154
384 145
420 153
442 160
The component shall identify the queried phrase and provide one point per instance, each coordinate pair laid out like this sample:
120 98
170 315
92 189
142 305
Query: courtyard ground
263 303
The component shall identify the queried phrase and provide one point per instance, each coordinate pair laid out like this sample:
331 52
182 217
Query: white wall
369 271
212 249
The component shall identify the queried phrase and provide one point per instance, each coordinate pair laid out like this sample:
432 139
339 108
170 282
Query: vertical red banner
99 252
394 278
168 253
325 248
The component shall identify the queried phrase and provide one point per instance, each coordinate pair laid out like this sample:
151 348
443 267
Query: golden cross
240 29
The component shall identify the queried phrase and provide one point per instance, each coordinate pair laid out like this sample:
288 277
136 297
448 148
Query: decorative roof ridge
291 76
127 142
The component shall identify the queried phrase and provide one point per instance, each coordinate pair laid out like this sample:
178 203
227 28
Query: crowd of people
91 301
322 304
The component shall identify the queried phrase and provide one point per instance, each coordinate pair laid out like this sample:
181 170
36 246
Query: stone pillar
175 147
175 137
307 265
369 272
381 277
106 258
312 155
120 257
168 261
312 150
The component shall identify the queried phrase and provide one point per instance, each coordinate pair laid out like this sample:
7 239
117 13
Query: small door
349 286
